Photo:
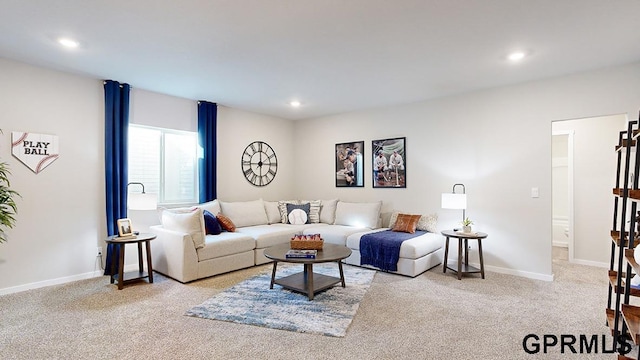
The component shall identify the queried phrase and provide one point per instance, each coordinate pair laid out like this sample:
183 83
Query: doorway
562 194
583 174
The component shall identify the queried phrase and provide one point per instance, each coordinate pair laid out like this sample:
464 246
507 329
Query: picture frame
389 163
125 228
349 170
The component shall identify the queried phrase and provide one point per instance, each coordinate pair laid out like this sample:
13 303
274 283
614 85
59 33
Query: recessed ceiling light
516 56
295 103
68 43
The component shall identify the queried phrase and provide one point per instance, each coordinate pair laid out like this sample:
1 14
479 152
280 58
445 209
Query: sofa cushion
186 221
245 213
298 214
269 235
211 206
428 222
226 223
314 210
211 224
282 206
358 214
273 212
328 211
406 223
227 243
335 234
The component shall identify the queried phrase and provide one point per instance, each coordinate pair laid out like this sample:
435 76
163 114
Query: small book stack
301 254
126 237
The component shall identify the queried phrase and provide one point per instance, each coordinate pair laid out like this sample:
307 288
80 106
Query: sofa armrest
174 254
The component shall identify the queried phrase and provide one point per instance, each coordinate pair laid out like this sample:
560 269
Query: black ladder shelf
624 319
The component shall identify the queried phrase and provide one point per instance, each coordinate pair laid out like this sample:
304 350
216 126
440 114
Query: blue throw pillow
211 224
305 207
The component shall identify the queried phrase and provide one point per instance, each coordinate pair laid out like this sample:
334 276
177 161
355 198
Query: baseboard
590 263
62 280
58 281
520 273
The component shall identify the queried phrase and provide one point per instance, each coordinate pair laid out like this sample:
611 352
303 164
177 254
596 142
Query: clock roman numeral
248 172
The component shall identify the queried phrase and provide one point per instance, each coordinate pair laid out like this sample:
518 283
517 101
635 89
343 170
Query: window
166 162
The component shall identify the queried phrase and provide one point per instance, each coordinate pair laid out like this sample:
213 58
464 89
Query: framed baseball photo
349 170
389 163
125 228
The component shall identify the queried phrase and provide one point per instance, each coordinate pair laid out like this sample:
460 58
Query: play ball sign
36 151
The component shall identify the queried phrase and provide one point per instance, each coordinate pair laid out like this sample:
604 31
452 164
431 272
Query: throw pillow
392 219
282 206
226 223
211 224
186 221
304 207
406 223
314 210
297 217
428 223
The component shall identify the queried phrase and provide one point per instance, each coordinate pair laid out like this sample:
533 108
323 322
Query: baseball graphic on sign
36 151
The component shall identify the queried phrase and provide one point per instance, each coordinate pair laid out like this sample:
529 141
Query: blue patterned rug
252 302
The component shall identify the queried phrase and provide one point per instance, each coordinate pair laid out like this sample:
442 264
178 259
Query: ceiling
334 56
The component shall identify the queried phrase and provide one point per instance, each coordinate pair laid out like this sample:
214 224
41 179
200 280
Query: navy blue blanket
382 249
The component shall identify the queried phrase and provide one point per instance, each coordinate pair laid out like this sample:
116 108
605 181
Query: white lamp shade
454 201
138 201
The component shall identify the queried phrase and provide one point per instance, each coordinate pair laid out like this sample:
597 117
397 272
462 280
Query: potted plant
466 225
8 207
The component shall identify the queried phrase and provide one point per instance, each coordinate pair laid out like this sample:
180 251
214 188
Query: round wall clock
259 163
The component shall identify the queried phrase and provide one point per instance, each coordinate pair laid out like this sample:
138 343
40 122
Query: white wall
236 130
497 142
594 166
61 216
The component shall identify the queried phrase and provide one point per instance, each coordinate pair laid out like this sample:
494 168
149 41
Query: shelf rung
631 316
613 280
634 194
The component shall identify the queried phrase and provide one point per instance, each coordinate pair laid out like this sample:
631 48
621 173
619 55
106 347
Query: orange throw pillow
406 223
226 223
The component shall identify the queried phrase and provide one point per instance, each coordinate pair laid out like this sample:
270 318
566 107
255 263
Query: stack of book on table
301 254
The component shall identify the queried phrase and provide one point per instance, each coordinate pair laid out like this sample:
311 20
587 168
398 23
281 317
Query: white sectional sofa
183 250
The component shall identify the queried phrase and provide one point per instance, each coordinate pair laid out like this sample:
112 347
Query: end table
461 268
122 277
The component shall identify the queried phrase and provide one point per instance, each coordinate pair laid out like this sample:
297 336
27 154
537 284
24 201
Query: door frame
570 138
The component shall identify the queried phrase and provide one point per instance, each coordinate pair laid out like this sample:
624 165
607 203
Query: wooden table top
329 253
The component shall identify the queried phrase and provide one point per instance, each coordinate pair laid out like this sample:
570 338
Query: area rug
252 302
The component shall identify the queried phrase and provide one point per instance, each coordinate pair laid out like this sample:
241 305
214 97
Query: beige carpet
432 316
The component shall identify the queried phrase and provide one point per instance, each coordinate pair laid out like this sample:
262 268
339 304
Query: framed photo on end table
389 163
349 171
124 227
